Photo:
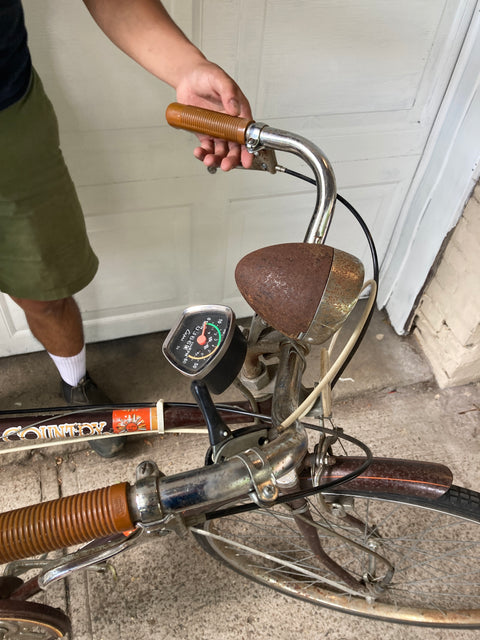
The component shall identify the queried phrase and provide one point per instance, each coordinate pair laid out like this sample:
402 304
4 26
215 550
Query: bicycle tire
450 553
20 619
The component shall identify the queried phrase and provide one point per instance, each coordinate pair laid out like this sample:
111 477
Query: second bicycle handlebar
64 522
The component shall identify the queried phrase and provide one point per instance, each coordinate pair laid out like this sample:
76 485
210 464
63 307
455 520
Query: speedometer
206 344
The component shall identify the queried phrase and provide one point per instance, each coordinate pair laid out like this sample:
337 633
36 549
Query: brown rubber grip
63 522
210 123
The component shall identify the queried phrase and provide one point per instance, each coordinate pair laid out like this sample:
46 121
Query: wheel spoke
435 553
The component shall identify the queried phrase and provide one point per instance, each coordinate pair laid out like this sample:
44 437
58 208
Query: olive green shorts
44 250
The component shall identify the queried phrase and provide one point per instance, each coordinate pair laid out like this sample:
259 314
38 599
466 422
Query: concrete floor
169 588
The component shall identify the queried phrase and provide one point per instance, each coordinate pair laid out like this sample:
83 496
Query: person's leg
45 254
57 324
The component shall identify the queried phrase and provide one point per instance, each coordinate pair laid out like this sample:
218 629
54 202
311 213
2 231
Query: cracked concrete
169 588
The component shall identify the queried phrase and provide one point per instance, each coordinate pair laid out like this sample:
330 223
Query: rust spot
284 283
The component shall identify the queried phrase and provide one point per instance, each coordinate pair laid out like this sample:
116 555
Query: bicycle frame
58 425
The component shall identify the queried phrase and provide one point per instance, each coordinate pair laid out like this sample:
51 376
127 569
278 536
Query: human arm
144 31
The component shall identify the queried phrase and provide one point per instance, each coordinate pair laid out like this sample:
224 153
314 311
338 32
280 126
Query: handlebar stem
289 381
259 135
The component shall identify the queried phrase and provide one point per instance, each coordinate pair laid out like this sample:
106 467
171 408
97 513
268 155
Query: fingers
232 159
219 153
246 158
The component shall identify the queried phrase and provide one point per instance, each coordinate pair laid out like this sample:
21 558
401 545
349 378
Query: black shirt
15 62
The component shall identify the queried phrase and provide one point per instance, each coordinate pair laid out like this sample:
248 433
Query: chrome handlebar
260 136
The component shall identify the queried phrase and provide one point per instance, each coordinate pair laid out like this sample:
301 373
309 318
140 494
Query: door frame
446 176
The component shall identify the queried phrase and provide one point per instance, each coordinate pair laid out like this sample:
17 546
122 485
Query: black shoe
87 393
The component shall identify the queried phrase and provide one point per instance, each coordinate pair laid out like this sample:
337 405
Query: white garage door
364 79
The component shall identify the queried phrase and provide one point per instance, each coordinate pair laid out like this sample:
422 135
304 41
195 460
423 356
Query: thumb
232 107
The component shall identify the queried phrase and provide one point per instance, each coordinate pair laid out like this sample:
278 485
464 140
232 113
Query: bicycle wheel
20 620
434 548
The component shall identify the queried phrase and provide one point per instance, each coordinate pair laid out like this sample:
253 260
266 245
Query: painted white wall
446 176
364 80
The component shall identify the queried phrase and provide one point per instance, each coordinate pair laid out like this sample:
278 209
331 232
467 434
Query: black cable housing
374 256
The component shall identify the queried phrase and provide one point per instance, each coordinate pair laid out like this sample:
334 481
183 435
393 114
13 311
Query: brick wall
447 322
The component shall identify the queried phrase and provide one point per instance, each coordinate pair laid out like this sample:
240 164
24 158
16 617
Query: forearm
144 31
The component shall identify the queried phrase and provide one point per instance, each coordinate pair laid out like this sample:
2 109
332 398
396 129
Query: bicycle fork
303 518
290 371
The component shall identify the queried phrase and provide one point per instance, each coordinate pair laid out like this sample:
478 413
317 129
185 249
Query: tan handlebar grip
210 123
64 522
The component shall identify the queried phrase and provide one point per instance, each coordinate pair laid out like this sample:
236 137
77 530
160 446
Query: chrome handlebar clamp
148 506
147 500
262 476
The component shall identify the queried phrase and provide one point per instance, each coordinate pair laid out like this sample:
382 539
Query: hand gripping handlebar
256 136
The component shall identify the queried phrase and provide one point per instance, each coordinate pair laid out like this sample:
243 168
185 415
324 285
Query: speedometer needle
202 339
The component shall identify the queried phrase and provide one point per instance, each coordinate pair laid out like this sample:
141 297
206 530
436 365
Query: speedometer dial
199 335
206 344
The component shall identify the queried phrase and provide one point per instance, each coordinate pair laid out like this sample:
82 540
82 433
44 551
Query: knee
41 308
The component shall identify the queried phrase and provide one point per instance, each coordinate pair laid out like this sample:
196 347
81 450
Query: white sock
72 369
